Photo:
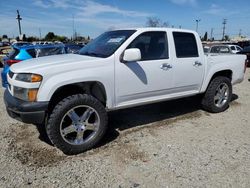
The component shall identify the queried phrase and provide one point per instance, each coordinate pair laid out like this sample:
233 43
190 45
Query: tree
50 36
204 37
31 39
24 37
4 36
153 22
156 22
60 38
226 38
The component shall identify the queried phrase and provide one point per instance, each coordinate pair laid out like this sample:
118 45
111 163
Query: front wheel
77 123
218 95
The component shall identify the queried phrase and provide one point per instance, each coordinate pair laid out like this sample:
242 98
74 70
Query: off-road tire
208 103
55 118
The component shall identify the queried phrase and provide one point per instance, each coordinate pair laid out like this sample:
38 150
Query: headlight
25 93
27 77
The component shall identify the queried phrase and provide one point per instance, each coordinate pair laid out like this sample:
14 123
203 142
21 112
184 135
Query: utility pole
40 34
224 28
240 33
73 26
19 23
197 24
211 34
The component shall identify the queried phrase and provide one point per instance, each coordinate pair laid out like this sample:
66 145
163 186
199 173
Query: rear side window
32 52
185 45
232 48
13 53
238 48
153 45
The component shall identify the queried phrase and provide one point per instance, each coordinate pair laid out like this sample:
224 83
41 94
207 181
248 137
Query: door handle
197 63
166 66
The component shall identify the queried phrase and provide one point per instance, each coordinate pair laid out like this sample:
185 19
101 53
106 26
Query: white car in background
235 48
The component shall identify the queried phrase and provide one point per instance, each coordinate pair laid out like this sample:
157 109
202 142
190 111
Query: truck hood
56 62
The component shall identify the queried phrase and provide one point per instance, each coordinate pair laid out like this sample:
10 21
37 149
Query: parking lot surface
168 144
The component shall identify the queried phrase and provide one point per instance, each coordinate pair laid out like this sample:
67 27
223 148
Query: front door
146 80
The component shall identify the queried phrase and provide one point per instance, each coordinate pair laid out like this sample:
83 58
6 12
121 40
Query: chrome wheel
221 95
79 125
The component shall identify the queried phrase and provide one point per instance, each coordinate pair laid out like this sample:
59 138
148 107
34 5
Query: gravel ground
170 144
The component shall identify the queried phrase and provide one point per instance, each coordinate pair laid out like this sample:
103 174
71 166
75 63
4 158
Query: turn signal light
36 78
32 93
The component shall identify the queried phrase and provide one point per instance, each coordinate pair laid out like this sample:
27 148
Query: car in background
235 48
20 53
217 49
3 52
246 51
21 43
71 48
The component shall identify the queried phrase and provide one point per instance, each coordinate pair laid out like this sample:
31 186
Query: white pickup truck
71 94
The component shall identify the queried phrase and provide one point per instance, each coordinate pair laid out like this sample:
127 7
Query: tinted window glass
185 45
239 49
152 45
232 48
49 51
220 49
106 44
224 49
13 53
32 52
73 49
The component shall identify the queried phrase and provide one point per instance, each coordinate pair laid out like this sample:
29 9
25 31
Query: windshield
106 44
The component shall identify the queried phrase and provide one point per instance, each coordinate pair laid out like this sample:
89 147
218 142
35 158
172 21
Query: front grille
11 74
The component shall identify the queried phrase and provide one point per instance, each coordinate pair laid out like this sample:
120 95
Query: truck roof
156 29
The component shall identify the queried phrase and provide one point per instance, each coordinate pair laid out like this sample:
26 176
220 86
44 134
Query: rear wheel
77 123
218 95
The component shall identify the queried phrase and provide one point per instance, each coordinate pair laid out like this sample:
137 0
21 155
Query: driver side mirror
132 54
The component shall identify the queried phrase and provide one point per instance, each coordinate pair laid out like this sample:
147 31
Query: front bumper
27 112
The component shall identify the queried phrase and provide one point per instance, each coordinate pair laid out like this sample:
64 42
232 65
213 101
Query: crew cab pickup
71 94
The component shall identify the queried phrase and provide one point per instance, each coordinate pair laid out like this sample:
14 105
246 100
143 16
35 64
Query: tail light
12 61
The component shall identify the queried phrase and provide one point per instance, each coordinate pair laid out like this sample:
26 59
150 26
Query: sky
92 17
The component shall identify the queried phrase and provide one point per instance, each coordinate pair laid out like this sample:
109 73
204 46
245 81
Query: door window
232 48
185 45
153 45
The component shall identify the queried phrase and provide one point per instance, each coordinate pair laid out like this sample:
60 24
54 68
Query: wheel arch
93 88
226 73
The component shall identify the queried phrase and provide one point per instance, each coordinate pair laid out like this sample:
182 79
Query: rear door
188 67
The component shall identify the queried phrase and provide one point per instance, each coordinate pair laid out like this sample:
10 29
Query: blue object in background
6 69
21 53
